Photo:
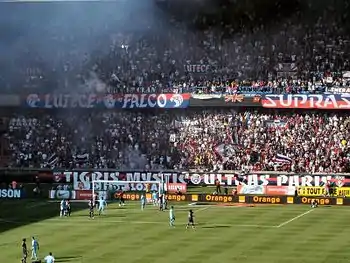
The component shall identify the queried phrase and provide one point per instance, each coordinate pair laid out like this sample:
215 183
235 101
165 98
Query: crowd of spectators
305 52
198 139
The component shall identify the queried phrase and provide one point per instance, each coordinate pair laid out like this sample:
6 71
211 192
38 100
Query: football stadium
174 131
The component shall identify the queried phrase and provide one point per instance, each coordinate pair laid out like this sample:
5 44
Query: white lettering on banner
10 193
83 180
254 179
144 101
339 90
312 101
197 68
69 101
62 100
174 187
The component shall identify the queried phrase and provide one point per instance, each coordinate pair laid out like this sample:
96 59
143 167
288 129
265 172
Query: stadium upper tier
203 139
52 48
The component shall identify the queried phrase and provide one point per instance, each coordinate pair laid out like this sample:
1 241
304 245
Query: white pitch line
295 218
202 209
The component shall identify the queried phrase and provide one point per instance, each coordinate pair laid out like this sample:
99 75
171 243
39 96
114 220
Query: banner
218 198
307 101
108 101
266 199
263 178
321 191
81 179
62 194
11 193
234 100
342 191
198 68
339 90
251 189
206 96
276 124
175 187
169 197
320 200
273 190
87 194
280 190
312 191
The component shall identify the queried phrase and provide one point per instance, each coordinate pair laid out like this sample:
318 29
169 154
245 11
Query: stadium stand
306 53
209 139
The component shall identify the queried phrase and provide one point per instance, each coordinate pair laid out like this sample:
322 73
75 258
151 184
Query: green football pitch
271 234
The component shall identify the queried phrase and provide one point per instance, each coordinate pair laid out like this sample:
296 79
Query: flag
225 150
52 160
280 158
81 157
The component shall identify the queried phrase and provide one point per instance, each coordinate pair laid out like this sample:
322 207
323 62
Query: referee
24 251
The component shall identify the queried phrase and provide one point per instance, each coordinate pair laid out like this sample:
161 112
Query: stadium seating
306 47
307 52
205 139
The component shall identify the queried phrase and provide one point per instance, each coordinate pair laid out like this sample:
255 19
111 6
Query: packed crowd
198 139
306 52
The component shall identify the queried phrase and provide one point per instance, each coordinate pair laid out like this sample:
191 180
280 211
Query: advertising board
255 199
87 194
321 191
175 187
62 194
320 200
218 198
265 190
11 193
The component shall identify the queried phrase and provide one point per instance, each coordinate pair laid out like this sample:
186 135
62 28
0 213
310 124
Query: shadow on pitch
67 259
18 213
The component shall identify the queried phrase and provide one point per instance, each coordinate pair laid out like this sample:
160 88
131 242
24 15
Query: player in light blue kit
143 202
155 198
102 204
172 216
63 208
35 248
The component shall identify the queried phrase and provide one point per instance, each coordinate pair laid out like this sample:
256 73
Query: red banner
307 101
175 187
83 194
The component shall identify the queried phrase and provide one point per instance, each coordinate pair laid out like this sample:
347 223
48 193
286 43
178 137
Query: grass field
271 234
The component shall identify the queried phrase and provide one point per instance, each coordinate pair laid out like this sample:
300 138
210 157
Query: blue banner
108 101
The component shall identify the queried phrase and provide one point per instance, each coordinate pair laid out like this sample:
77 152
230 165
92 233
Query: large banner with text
107 101
307 101
82 179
